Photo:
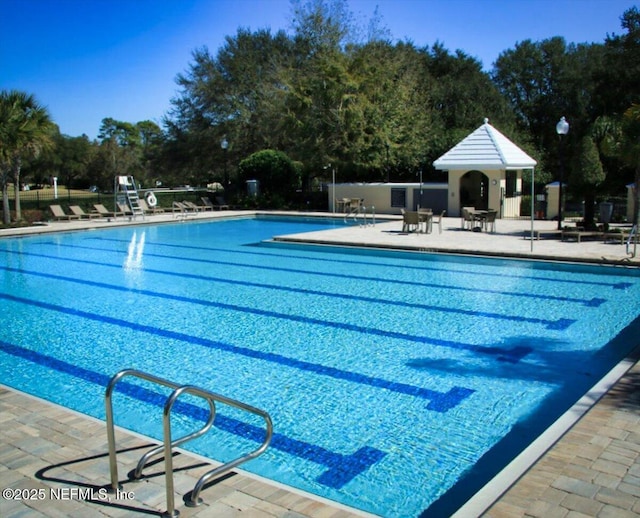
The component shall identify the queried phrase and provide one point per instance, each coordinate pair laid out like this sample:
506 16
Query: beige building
485 172
388 197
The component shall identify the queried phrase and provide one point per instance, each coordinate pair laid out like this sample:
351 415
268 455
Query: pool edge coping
195 456
501 483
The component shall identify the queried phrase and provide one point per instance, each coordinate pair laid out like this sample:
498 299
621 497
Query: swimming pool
398 383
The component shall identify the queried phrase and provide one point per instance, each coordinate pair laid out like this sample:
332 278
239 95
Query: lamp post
562 128
387 162
224 144
333 187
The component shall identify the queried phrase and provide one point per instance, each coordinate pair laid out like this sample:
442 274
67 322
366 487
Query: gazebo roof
485 148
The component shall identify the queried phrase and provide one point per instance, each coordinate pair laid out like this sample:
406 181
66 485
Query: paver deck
54 462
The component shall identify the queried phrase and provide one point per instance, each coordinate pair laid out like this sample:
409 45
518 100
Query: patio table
425 216
481 215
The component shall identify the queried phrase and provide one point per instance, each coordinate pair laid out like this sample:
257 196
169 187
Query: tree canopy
338 91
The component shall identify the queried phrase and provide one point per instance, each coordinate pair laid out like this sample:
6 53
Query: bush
274 170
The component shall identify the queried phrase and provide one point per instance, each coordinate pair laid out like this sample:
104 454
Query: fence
40 199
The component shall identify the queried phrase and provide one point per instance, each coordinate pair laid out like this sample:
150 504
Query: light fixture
224 144
562 128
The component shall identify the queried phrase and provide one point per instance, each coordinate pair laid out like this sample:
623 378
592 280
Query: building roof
485 148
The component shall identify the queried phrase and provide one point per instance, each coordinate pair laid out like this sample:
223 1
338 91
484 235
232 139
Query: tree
544 81
617 82
587 176
25 129
127 149
238 94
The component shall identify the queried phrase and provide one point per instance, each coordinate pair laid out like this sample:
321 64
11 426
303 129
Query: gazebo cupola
485 171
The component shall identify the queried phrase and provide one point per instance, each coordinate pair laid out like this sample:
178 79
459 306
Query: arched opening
474 190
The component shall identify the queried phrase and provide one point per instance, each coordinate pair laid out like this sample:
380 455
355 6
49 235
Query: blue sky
90 59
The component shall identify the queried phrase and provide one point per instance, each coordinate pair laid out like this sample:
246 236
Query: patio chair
490 221
410 221
467 219
105 213
439 221
425 215
59 214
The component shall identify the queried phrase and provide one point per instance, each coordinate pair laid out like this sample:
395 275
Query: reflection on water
133 262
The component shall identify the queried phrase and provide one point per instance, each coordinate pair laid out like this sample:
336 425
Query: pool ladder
633 238
191 499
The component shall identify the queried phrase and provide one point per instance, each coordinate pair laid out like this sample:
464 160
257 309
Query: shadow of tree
574 372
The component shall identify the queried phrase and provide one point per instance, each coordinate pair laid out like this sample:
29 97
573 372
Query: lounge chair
125 209
77 210
194 207
59 214
180 209
206 204
105 213
220 203
579 234
149 210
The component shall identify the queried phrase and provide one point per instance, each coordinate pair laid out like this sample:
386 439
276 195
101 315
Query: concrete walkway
53 461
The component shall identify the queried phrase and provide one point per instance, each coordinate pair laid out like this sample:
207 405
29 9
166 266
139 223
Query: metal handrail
362 209
137 473
632 238
192 500
168 444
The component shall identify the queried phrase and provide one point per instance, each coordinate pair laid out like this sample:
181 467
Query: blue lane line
342 468
560 324
513 355
438 401
594 302
615 286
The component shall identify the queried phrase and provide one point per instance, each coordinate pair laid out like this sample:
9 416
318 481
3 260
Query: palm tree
25 128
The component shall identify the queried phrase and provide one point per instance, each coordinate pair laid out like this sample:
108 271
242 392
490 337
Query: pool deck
587 465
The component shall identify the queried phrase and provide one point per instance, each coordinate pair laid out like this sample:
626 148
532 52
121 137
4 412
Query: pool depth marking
438 401
615 286
342 468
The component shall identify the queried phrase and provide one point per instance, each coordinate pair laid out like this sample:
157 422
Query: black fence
41 199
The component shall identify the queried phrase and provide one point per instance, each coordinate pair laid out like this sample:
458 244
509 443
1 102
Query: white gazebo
485 171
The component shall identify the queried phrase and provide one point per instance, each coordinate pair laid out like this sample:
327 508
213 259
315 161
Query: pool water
398 383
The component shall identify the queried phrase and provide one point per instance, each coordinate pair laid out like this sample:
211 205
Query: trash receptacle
253 188
606 210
